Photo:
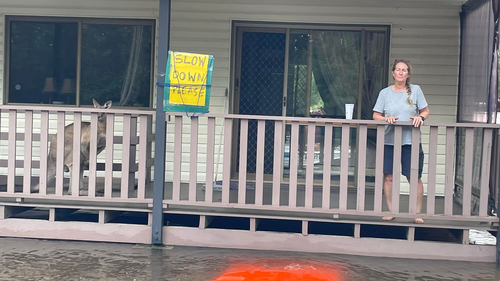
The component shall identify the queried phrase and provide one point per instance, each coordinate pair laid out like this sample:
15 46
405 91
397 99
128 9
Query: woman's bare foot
419 221
387 218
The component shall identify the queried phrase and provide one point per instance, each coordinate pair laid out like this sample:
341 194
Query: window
71 61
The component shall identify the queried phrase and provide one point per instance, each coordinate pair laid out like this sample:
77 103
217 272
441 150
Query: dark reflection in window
115 63
42 62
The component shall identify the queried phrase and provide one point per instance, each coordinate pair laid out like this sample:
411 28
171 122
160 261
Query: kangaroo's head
106 105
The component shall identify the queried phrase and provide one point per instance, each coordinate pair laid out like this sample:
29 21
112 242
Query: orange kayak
267 274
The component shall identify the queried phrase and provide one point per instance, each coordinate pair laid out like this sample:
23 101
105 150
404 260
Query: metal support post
161 126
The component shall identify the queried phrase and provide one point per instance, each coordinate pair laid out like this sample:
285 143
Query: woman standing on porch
404 102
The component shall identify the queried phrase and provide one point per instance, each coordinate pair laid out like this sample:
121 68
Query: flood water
32 259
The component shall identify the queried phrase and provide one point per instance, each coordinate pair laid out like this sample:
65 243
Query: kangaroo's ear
96 104
108 104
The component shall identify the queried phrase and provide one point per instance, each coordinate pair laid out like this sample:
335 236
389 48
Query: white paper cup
348 110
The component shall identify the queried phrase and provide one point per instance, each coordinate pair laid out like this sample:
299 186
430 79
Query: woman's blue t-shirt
391 103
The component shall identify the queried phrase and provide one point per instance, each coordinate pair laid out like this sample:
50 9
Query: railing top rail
116 110
336 121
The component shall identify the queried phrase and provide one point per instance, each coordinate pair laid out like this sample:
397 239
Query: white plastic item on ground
481 237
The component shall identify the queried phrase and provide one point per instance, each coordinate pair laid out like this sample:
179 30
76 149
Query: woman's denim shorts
405 160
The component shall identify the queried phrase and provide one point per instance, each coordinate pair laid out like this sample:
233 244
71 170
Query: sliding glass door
320 69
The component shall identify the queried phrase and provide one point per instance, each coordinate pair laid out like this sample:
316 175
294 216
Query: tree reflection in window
116 64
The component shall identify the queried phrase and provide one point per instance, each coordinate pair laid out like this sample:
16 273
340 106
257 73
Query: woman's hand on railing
391 119
417 121
378 116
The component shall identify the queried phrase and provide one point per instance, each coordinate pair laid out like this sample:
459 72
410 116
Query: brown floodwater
32 259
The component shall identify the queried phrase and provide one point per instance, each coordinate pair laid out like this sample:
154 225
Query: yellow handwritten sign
188 78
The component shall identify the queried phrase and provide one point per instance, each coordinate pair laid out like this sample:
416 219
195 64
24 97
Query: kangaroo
84 147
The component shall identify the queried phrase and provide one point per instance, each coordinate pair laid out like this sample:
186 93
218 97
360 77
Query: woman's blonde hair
407 83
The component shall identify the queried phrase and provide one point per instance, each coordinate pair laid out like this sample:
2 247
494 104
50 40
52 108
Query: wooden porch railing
312 186
130 173
192 182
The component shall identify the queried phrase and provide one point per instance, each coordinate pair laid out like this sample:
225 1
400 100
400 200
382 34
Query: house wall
425 32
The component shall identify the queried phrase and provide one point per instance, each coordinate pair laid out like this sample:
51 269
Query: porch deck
205 225
350 216
250 195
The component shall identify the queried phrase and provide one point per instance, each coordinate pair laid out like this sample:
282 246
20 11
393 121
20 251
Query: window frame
80 21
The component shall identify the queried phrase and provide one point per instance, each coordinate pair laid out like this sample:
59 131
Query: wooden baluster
363 135
311 136
210 160
242 181
60 153
108 167
193 160
449 173
294 160
485 172
278 161
93 154
415 149
468 169
432 167
28 150
226 174
11 166
259 177
327 166
44 146
75 173
176 192
396 168
344 166
379 168
143 146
